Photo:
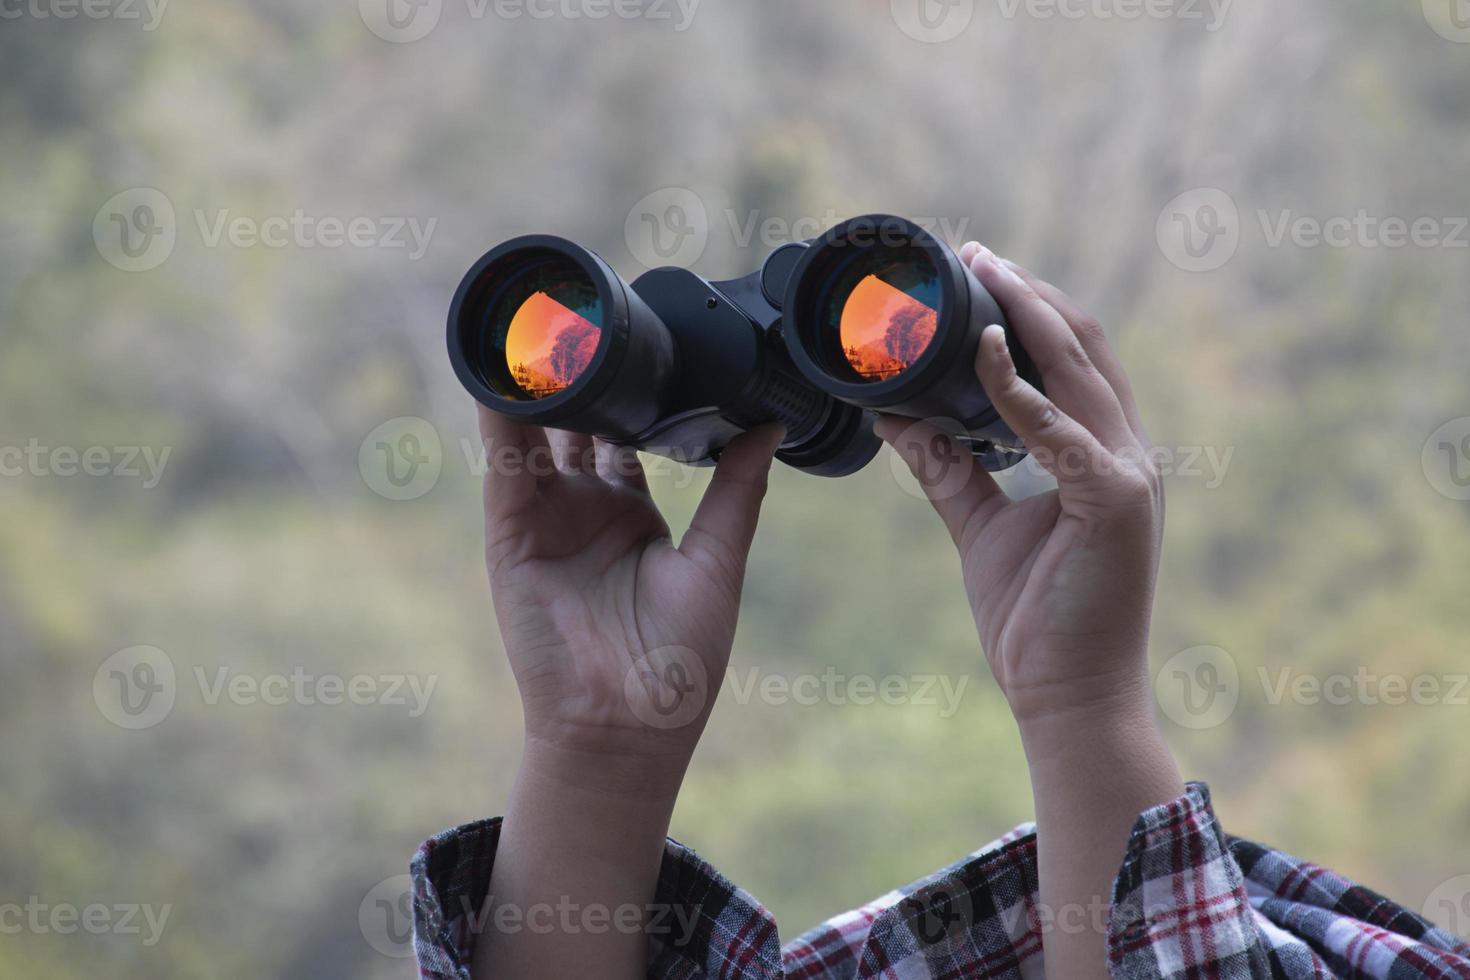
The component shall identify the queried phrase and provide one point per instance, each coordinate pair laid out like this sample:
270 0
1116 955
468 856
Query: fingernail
995 336
982 258
968 250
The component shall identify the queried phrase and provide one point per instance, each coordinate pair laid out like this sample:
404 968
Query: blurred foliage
262 549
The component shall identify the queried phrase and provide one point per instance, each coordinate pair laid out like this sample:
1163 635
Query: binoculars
876 315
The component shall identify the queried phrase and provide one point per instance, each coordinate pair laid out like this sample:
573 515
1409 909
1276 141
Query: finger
724 523
955 483
968 252
1060 444
1094 340
573 451
620 466
1070 378
517 457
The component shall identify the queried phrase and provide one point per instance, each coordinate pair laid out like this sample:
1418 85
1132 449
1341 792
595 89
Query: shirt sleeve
1189 902
1180 907
699 925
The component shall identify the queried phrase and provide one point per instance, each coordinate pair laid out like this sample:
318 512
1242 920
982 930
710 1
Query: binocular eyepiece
876 315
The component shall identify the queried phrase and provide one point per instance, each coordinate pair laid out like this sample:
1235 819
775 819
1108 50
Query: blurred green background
1331 544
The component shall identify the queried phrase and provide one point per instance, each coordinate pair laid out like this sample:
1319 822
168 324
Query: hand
604 621
1061 584
588 587
1062 588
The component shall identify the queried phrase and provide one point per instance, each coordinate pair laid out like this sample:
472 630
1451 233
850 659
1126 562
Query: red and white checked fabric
1189 903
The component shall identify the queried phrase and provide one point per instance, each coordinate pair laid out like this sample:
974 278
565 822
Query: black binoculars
876 315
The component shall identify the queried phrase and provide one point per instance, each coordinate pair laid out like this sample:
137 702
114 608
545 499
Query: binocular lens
542 326
881 314
876 310
889 314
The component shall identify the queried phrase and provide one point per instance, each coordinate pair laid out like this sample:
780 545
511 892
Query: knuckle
1089 330
1138 490
1048 418
1076 356
1026 293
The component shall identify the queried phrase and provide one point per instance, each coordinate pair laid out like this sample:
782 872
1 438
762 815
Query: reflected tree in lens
549 345
884 329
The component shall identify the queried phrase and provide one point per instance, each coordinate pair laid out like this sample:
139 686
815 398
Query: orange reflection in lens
884 329
548 345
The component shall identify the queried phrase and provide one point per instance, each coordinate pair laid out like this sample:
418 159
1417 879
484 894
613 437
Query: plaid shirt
1189 902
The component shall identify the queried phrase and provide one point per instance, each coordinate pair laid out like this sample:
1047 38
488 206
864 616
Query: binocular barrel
876 315
881 314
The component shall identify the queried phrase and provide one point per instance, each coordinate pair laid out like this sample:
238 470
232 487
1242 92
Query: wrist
1100 722
606 774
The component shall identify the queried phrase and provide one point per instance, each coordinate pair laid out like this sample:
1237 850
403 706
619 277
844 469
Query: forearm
576 868
1094 769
